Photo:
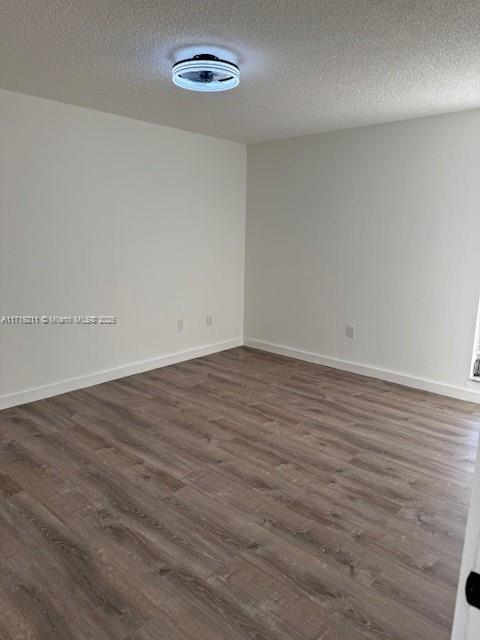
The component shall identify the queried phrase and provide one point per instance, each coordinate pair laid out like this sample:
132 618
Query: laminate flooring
242 495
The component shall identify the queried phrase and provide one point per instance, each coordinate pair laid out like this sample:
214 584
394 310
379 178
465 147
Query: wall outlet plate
209 321
179 325
351 331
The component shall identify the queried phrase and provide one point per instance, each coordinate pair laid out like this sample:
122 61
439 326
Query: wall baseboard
72 384
56 388
367 370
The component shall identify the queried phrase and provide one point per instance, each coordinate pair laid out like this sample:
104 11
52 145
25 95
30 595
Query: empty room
239 320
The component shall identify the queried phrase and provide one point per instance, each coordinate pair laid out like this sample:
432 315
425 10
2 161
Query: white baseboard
54 389
72 384
367 370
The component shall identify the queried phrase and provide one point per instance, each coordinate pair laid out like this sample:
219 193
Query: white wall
379 227
101 214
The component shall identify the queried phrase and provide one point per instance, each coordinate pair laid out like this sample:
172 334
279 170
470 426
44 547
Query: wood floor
240 495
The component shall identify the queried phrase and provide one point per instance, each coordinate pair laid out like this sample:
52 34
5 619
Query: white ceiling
306 66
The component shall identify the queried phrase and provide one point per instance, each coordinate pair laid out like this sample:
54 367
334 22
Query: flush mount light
205 73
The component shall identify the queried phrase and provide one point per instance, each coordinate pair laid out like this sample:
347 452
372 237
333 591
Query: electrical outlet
351 331
209 321
179 325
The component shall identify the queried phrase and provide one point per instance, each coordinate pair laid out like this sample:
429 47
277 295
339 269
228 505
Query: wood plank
242 495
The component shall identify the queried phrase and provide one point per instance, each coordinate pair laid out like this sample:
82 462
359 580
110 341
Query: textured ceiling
306 66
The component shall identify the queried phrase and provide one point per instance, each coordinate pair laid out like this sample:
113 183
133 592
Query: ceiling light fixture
205 73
